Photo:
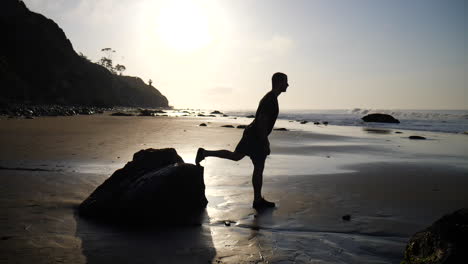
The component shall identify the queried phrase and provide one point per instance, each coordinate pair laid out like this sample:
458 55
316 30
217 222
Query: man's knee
238 156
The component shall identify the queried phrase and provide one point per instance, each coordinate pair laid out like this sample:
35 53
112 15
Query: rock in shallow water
445 241
156 186
381 118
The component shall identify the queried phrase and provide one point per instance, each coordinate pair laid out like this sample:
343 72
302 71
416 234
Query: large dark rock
156 186
38 65
445 241
381 118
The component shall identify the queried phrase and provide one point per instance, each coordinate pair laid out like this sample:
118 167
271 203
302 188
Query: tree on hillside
120 68
108 52
106 62
83 56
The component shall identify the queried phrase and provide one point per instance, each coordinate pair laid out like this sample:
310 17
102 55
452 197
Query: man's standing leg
257 178
257 182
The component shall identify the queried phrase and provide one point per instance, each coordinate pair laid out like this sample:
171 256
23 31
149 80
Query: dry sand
391 186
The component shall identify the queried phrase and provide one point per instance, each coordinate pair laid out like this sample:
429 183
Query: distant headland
38 65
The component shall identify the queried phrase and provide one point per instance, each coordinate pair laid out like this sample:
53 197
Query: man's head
279 82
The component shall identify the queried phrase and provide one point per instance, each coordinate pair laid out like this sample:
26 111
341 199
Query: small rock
216 112
316 123
227 223
416 137
346 217
230 126
250 116
304 122
202 124
280 129
325 123
398 132
242 126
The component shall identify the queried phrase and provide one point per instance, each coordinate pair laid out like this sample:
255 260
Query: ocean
448 121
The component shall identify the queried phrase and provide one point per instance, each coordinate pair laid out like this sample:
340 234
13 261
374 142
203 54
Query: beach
389 185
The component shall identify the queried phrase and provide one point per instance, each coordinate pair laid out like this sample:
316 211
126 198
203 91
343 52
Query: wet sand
391 186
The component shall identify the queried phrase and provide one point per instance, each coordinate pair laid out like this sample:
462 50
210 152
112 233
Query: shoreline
19 111
390 186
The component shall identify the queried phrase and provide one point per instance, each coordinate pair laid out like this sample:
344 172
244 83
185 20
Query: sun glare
184 25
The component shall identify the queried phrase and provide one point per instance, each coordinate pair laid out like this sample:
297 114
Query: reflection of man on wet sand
254 142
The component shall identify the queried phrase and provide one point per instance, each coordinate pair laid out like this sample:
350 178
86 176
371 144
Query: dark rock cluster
28 111
121 114
155 187
150 112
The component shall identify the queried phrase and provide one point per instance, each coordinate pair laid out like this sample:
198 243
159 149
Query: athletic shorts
251 146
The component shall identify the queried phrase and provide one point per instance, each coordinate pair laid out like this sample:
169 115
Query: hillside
38 65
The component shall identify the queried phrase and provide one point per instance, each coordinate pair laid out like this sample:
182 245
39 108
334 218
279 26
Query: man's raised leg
223 154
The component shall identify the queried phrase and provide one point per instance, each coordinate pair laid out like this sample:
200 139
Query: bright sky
338 54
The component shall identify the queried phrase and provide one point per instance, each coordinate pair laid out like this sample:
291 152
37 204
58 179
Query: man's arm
263 121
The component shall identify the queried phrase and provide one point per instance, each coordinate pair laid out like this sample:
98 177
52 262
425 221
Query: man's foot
200 156
262 204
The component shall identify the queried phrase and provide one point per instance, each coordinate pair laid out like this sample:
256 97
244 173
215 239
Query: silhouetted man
254 142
